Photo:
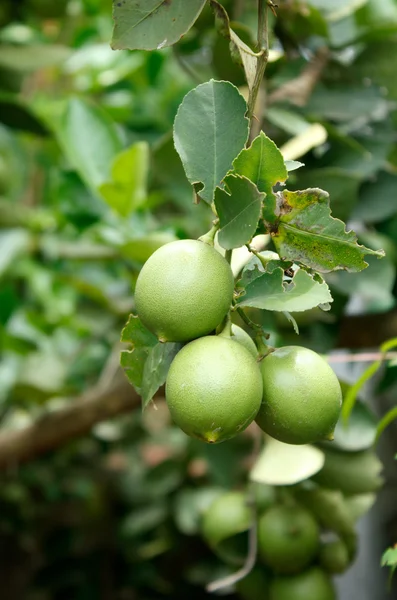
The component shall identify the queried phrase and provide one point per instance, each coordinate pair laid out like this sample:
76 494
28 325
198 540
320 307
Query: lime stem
209 237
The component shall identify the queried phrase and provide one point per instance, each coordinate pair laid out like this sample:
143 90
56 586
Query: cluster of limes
306 533
216 386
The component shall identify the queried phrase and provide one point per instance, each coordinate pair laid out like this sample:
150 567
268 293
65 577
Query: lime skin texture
302 397
184 291
242 337
288 538
213 388
312 584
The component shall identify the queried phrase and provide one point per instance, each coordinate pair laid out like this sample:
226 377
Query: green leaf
133 361
17 115
293 165
90 141
389 559
156 368
128 189
306 233
239 208
353 391
210 129
272 290
358 434
136 334
285 464
389 417
152 24
263 164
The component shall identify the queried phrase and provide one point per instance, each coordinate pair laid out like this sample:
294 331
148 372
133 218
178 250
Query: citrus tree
172 182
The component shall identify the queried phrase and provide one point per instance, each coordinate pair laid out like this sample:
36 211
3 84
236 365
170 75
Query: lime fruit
313 584
255 586
184 290
242 337
213 388
301 396
351 472
288 538
334 557
225 525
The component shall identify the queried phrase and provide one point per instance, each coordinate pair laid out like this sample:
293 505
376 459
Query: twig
298 90
254 326
361 357
56 428
249 562
261 61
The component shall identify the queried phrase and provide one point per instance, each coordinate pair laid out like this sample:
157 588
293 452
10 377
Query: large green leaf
32 57
306 233
263 164
128 189
285 464
210 129
239 209
152 24
90 141
271 290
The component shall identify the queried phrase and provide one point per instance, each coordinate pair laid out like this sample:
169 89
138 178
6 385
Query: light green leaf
156 369
306 233
210 129
152 24
389 559
292 165
271 290
128 189
13 244
358 434
239 208
90 141
286 464
262 163
389 417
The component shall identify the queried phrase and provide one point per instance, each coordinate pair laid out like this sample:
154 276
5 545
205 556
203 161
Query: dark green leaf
306 233
210 129
136 334
152 24
239 209
142 341
156 369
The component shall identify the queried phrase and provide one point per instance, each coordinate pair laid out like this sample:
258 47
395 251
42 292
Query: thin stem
209 237
261 61
361 357
254 326
261 258
249 562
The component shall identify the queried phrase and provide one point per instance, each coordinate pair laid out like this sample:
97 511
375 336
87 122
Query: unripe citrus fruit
255 586
288 538
351 472
184 290
213 388
301 396
242 337
334 557
223 521
313 584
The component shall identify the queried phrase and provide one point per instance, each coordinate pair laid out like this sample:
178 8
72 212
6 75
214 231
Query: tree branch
56 428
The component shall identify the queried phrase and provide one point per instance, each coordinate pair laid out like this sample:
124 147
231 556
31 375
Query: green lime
225 525
184 290
255 586
313 584
288 538
242 337
301 396
351 472
334 557
213 388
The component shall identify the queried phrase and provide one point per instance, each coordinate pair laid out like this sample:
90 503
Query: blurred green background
90 186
